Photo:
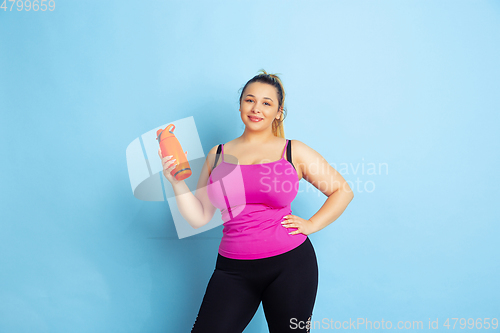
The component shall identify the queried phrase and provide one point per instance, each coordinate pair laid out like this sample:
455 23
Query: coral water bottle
170 146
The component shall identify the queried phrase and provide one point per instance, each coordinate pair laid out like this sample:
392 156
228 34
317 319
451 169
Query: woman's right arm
196 209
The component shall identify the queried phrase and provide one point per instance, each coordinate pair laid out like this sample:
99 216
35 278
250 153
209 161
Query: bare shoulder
300 153
315 169
213 150
303 152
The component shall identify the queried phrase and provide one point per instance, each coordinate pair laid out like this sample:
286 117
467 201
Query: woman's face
260 100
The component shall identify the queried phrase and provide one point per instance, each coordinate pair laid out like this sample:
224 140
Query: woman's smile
255 119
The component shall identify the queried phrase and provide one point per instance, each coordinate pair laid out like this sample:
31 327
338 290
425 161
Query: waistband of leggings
305 246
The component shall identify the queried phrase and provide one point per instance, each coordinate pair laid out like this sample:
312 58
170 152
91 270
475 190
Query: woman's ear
280 111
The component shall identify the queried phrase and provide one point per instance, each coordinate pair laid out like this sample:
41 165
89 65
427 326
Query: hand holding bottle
169 164
171 147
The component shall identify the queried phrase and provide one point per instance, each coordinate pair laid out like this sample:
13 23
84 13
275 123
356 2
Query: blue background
408 86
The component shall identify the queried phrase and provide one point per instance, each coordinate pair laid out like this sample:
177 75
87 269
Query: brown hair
274 80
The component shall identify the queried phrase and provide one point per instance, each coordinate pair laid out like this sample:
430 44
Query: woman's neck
256 138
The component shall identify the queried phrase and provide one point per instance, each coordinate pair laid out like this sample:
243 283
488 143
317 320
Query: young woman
265 254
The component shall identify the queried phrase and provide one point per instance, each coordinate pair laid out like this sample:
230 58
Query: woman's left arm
317 171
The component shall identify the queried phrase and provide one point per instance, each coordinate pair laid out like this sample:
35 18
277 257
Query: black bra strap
217 155
289 153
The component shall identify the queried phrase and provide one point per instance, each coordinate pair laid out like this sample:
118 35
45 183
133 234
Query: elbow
198 224
351 196
349 193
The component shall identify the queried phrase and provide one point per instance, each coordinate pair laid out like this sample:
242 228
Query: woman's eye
250 100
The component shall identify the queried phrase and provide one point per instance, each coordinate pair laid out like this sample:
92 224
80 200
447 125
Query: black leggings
286 284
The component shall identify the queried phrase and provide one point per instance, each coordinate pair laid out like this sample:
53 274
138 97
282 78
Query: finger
166 161
167 158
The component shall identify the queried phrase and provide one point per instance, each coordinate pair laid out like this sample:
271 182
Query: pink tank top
253 199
